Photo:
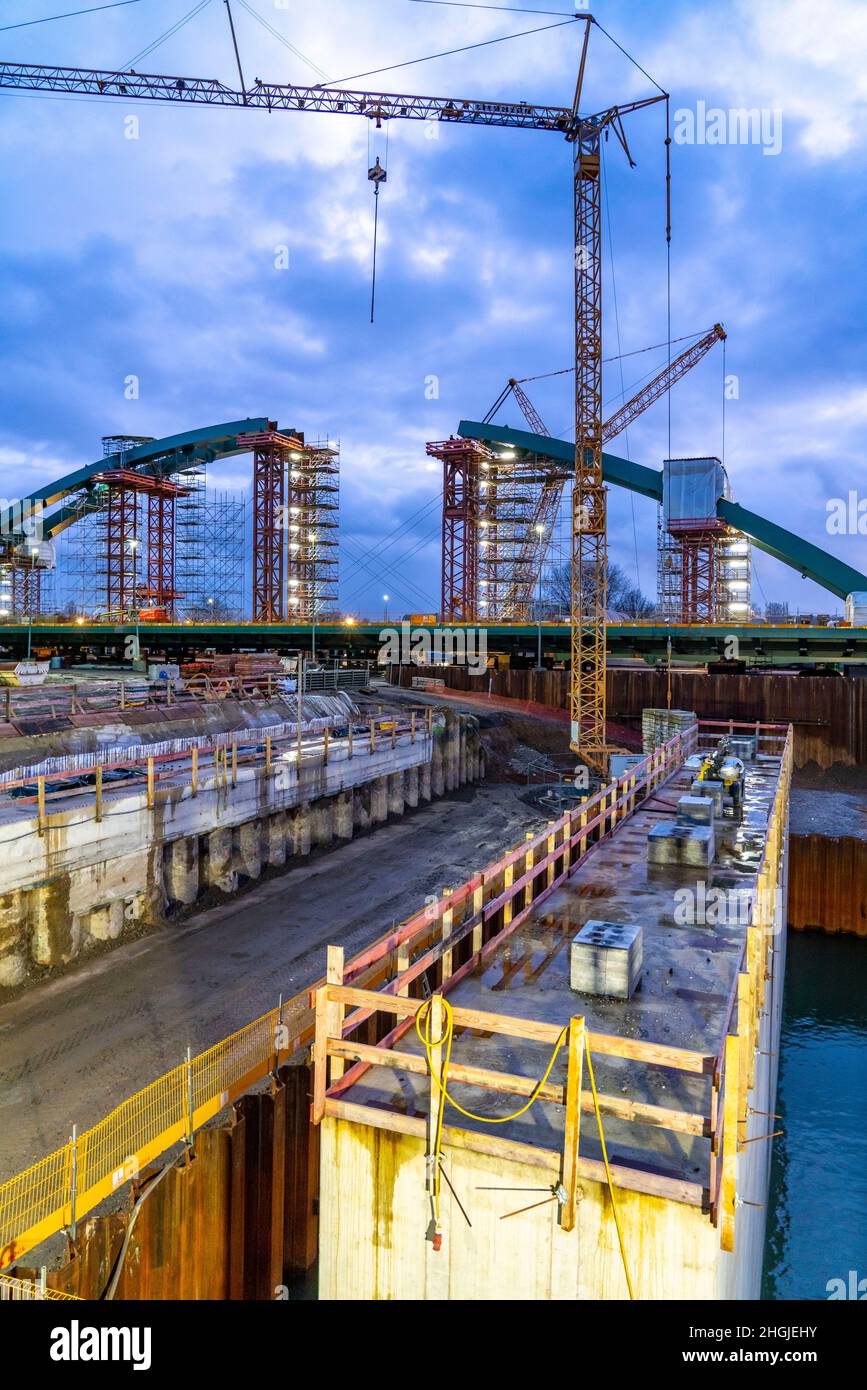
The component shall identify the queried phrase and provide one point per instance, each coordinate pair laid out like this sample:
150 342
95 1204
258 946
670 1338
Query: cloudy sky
160 256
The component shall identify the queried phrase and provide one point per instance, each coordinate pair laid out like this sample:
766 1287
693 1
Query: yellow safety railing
58 1190
26 1291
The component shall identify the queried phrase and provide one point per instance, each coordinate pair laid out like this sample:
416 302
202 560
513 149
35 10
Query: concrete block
607 958
361 808
275 838
343 816
55 933
13 969
743 746
13 919
181 869
695 810
298 823
379 801
712 789
219 870
689 845
104 923
410 787
248 849
395 794
321 823
424 782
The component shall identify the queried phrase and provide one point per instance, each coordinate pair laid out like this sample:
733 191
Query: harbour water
817 1221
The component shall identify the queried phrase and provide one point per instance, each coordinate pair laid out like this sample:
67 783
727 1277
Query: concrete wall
86 882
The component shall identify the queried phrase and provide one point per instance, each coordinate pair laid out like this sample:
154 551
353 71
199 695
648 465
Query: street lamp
540 531
385 601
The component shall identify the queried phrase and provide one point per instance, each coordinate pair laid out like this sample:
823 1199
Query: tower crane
585 135
532 555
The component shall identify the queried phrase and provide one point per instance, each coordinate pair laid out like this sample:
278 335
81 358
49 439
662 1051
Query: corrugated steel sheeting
828 883
829 712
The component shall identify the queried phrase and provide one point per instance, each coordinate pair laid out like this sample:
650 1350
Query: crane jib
276 96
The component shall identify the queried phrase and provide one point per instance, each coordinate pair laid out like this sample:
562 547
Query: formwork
683 1076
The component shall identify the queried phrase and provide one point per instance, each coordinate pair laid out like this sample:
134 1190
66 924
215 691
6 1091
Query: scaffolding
313 501
463 461
497 532
209 551
296 495
27 589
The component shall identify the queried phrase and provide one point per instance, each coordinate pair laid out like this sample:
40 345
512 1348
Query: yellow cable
445 1041
608 1172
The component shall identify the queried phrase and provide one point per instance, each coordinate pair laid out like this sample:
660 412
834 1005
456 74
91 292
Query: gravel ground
815 812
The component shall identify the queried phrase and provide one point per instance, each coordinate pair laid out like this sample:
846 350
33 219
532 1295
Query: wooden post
437 1100
582 843
729 1144
8 705
372 735
575 1045
73 709
325 746
334 976
412 727
150 801
234 762
402 967
194 770
99 792
267 755
40 805
508 880
567 847
350 739
529 861
744 1051
122 693
394 733
430 720
478 906
320 1056
550 847
448 918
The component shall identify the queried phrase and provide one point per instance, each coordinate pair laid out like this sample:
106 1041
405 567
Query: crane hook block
377 174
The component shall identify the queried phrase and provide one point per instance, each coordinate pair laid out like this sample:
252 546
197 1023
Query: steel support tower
464 462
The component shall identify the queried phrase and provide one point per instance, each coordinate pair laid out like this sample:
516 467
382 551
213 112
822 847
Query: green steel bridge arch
807 559
179 453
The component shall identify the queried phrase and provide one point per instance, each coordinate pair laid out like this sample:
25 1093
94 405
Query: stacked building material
659 725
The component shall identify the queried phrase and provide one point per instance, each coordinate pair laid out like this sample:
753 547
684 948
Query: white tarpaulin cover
692 487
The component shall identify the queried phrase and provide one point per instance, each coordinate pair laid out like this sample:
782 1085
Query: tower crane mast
584 133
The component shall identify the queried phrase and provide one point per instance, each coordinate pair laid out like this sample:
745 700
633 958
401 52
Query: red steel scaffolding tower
123 591
463 461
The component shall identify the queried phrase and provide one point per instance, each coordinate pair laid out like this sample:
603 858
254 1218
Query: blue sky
156 256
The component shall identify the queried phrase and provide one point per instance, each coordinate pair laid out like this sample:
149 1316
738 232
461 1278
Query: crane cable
423 1029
